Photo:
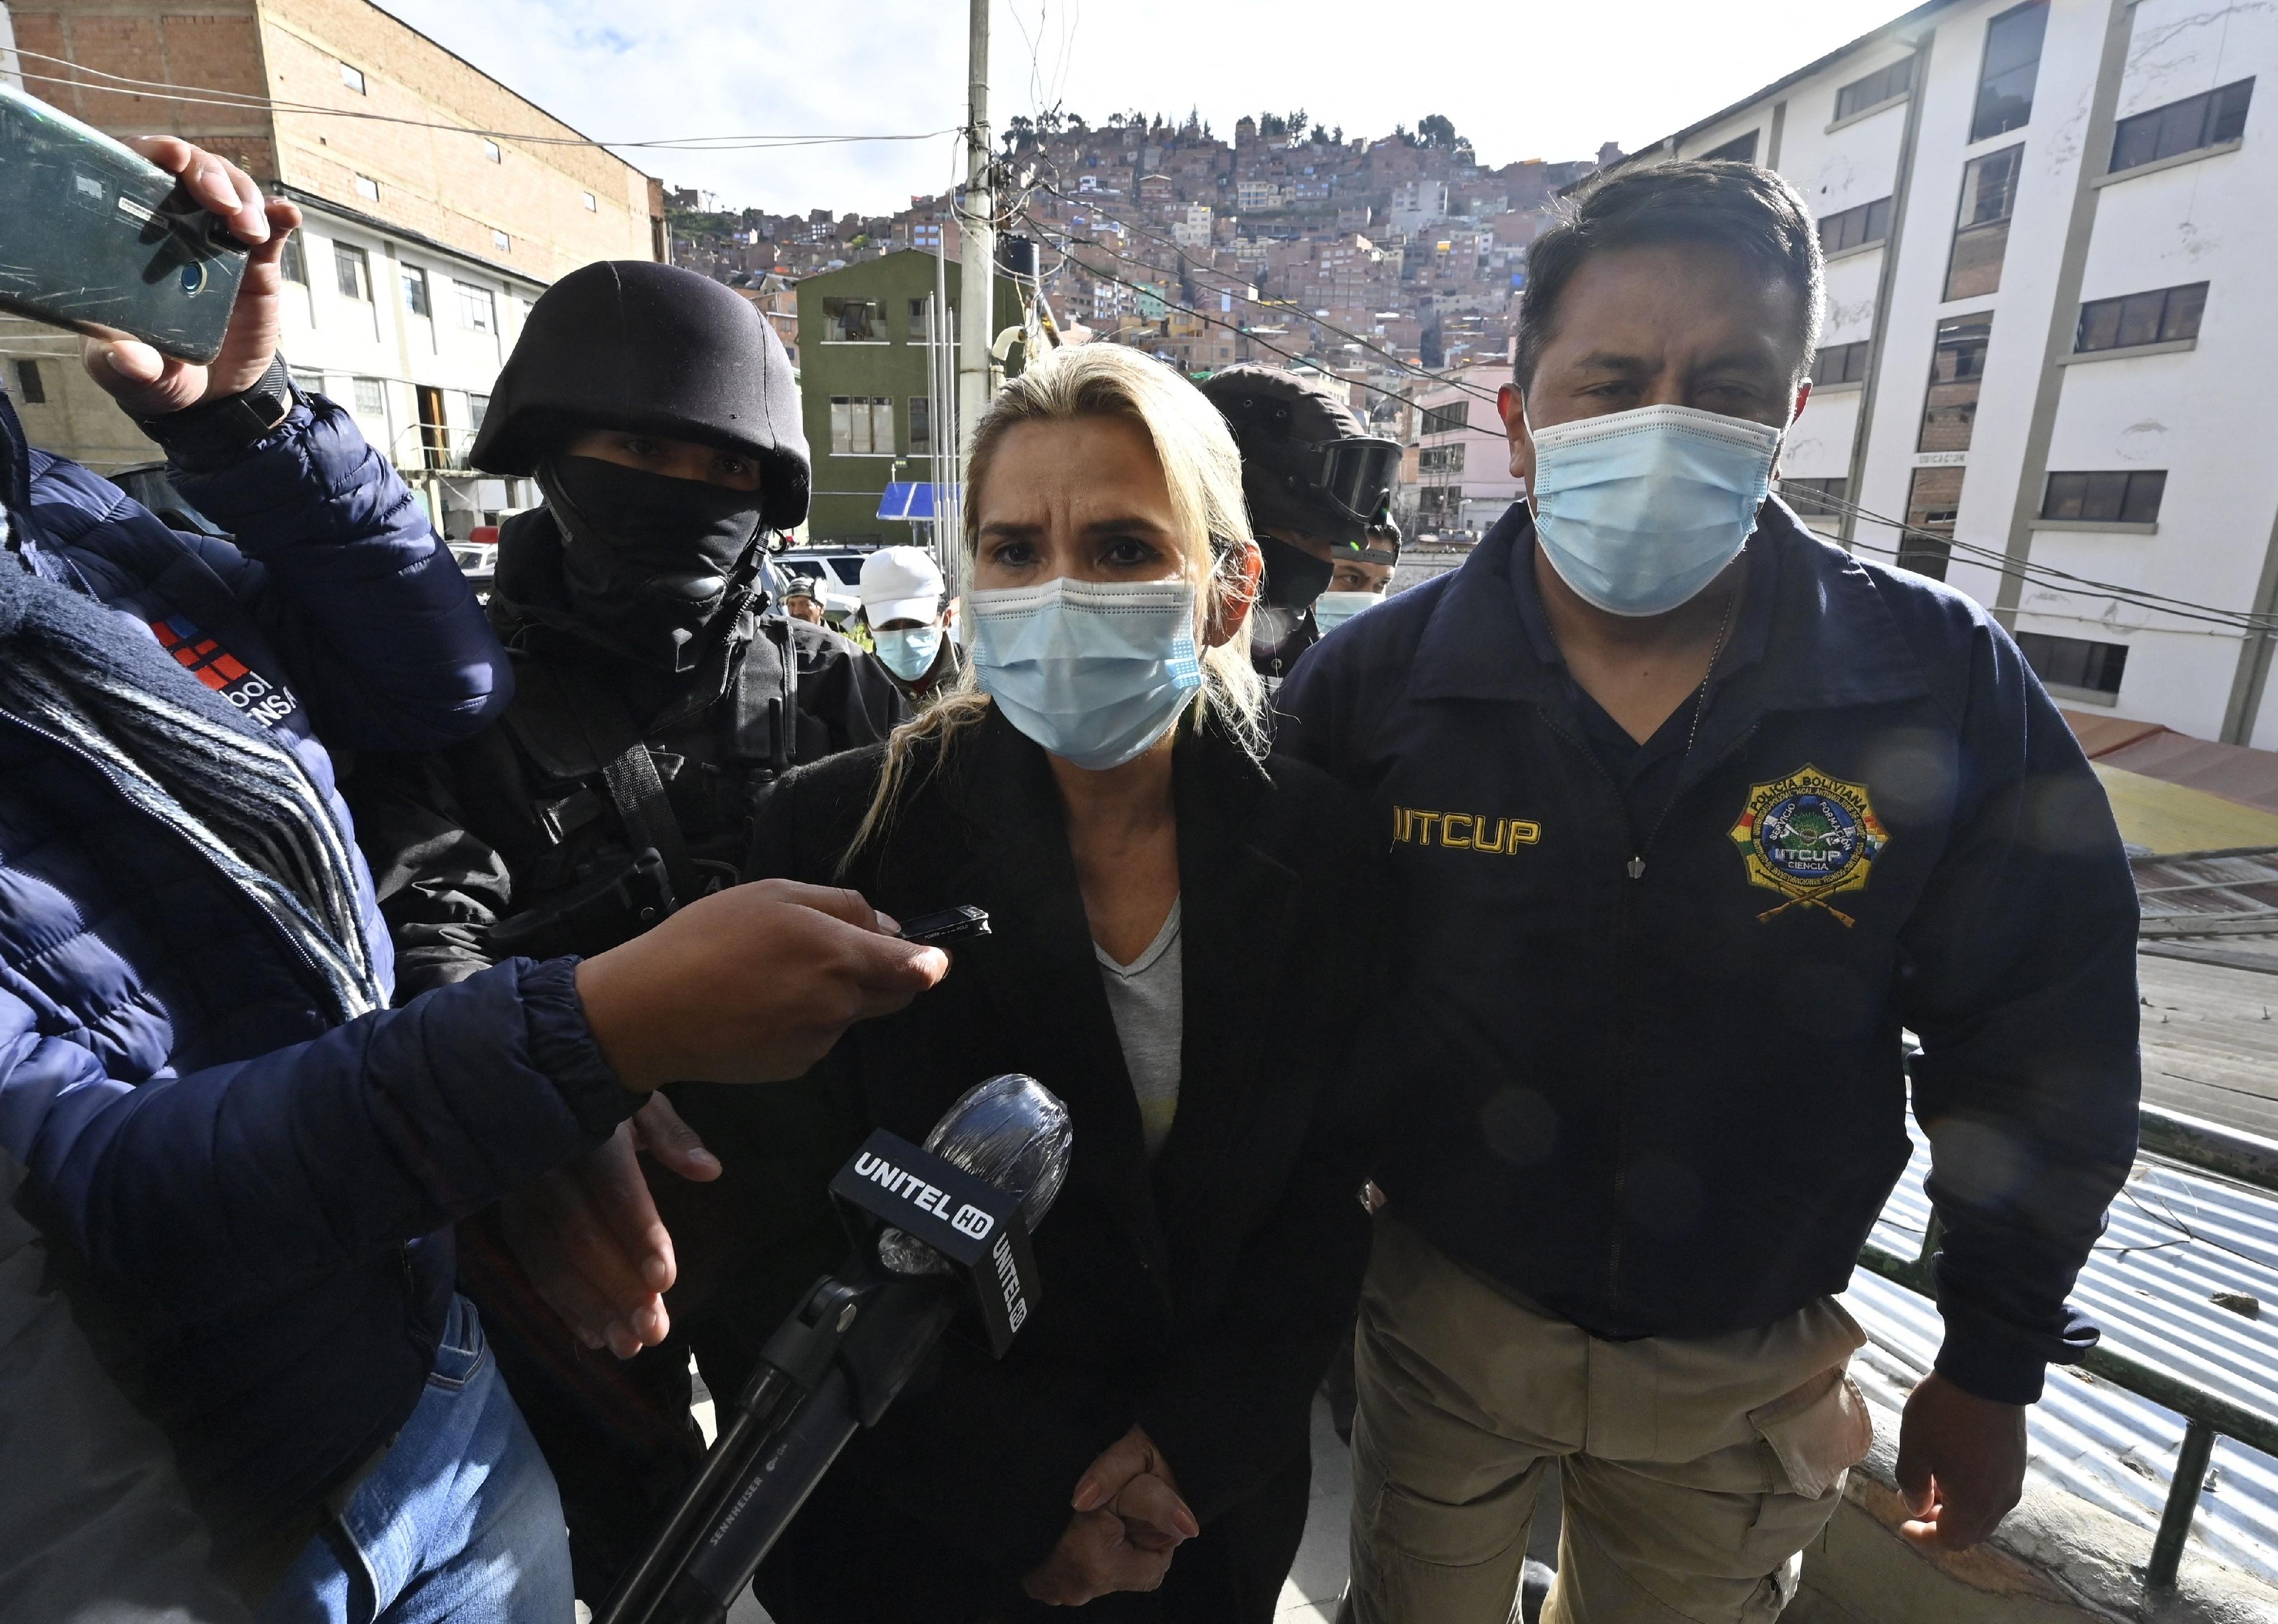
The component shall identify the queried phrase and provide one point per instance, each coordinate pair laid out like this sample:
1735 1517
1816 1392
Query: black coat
1201 1297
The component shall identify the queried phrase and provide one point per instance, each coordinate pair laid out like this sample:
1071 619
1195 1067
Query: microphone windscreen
1013 1133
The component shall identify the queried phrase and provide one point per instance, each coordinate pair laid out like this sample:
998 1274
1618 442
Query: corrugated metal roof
2175 1238
2209 892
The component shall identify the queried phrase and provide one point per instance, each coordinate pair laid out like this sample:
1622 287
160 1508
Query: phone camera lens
194 278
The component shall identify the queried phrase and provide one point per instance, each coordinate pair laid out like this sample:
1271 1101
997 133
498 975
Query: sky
1520 81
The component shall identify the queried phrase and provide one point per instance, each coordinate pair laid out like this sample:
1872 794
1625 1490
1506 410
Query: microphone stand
830 1368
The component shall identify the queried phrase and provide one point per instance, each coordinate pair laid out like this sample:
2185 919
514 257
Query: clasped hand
1129 1520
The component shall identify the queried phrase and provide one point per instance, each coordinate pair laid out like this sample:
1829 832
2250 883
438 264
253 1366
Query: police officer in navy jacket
1691 814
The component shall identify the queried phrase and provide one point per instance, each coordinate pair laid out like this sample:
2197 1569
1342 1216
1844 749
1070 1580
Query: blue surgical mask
908 652
1095 671
1331 610
1639 510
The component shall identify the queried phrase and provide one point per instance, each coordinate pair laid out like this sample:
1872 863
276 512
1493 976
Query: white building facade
2053 328
410 336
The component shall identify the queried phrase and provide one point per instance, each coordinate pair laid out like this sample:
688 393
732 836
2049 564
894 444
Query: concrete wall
2202 415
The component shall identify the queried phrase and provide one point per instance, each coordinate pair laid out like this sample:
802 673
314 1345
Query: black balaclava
1294 577
649 562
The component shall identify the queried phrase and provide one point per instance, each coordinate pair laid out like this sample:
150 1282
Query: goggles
1355 477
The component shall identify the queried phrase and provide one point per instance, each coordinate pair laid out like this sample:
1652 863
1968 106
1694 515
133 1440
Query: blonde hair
1203 469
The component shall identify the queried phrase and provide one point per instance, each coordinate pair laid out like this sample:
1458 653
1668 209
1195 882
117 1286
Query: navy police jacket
246 1194
1671 1101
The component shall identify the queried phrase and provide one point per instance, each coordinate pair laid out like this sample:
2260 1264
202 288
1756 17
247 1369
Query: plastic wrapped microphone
940 1230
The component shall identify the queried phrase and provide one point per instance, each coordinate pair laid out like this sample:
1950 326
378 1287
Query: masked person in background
910 620
1315 482
1176 923
1692 813
1360 580
655 703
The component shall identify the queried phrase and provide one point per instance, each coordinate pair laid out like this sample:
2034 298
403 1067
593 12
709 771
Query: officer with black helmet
658 694
1317 483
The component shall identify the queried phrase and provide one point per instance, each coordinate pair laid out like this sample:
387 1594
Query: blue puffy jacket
246 1197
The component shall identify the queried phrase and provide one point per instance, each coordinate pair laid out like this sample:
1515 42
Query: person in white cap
909 616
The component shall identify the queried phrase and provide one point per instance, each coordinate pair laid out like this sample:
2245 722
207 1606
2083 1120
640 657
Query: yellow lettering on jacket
1463 831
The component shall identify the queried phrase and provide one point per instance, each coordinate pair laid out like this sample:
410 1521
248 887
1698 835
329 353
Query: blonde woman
1176 940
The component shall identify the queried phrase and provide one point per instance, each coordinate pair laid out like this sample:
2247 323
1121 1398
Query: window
352 269
1840 363
292 265
353 78
1855 227
2116 498
1981 236
921 321
367 188
1884 85
479 407
920 424
2186 125
2074 662
31 388
2163 316
1957 370
477 309
592 205
1446 419
1740 149
1815 498
371 398
1933 503
307 379
491 151
2013 62
499 241
415 292
1445 462
862 426
854 321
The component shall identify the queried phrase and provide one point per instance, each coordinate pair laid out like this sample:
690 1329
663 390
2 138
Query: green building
864 364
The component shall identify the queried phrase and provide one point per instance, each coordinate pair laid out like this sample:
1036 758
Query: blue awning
907 499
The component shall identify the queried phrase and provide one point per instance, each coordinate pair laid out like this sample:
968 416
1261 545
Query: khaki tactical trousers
1694 1472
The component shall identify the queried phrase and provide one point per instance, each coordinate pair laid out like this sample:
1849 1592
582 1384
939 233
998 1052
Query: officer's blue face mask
908 652
1331 610
1094 671
1639 510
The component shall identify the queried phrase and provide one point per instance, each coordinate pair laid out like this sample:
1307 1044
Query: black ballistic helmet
631 344
1307 463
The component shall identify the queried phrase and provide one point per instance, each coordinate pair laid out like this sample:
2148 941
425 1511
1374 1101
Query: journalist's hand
589 1237
750 985
149 385
1962 1464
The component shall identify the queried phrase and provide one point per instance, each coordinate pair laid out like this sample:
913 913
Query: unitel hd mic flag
938 1228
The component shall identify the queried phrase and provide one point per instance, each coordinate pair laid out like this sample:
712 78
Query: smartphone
96 238
951 924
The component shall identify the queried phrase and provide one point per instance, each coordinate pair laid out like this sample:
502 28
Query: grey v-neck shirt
1150 1007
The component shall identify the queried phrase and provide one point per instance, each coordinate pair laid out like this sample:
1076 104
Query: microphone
935 1227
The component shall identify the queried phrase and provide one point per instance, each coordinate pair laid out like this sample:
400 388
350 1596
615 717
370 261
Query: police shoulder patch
1811 836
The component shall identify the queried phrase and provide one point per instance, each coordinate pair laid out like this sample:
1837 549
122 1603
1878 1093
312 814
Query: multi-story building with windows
2051 330
1463 482
871 391
426 242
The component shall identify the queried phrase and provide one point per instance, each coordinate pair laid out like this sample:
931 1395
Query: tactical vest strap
575 701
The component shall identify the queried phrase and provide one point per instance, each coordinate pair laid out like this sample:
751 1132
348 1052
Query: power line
2048 575
200 96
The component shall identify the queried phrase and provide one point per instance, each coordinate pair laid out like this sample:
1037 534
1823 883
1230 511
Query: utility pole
976 285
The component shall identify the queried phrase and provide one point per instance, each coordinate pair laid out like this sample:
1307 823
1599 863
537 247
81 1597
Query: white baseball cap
901 583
